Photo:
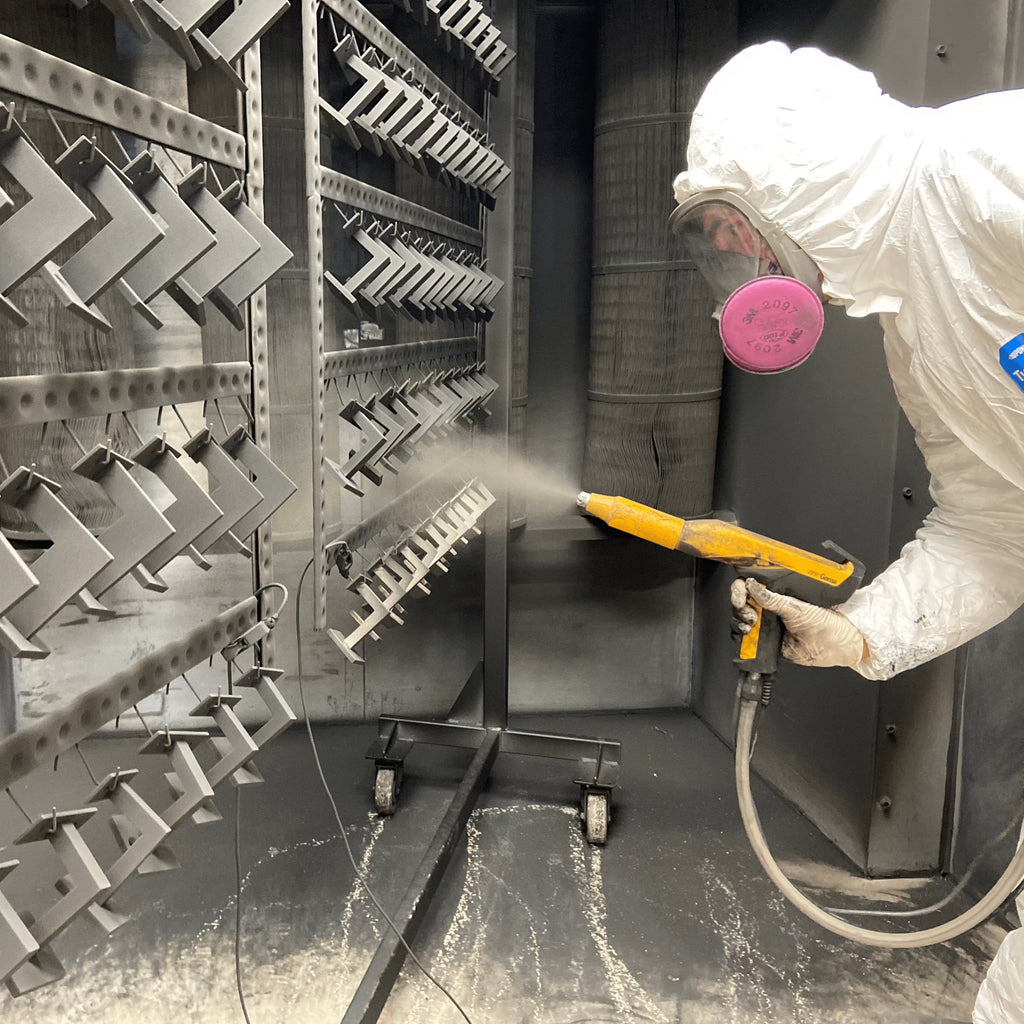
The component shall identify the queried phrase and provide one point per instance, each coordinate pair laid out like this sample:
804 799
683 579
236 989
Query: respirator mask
768 290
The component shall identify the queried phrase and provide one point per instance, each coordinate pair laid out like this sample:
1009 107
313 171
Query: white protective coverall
916 214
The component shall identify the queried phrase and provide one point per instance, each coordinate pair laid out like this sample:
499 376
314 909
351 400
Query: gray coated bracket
235 246
233 493
83 884
139 830
192 794
236 289
249 20
187 238
73 560
139 530
192 511
235 748
33 232
130 233
264 681
18 578
274 486
16 941
372 441
175 20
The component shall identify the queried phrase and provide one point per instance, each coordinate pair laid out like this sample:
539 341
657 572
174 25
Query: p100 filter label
1011 359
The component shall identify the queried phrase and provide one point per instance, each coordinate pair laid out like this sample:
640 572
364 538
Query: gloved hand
812 636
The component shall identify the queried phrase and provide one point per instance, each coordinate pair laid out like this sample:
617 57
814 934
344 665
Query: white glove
813 635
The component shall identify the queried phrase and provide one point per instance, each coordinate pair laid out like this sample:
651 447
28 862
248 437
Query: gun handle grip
748 645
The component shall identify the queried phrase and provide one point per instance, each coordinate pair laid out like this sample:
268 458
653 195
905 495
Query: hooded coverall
916 214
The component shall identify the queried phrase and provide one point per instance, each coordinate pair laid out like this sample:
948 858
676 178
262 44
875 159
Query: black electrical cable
337 815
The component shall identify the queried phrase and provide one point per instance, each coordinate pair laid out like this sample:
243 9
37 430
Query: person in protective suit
917 215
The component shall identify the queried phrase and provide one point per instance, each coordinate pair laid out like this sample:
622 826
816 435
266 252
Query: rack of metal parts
141 227
465 27
412 261
192 762
80 565
180 24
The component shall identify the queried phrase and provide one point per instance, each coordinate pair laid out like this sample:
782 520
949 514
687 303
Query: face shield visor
767 288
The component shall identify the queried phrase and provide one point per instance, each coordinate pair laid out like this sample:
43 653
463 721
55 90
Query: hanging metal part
139 530
264 681
238 287
235 748
18 578
192 794
73 560
249 20
37 229
274 487
372 441
138 829
175 21
128 235
191 513
187 238
16 941
83 884
233 493
235 246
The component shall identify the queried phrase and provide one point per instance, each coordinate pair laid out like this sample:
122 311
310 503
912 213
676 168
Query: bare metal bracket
17 943
128 235
192 511
52 214
139 530
83 884
74 559
139 831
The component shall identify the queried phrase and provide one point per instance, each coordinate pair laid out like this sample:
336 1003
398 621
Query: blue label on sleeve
1011 359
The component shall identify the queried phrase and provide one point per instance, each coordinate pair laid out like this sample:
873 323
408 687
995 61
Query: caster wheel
385 790
596 817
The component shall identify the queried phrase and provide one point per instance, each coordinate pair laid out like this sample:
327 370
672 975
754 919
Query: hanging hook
64 423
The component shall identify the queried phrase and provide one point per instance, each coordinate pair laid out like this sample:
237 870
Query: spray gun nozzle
582 500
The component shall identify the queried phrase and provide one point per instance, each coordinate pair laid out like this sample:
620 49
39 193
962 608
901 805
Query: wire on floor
337 815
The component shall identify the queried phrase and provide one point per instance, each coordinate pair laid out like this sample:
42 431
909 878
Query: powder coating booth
549 176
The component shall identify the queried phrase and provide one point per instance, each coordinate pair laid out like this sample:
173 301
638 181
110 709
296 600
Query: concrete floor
672 921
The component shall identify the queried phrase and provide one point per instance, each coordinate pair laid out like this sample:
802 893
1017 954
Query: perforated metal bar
343 189
315 257
390 357
29 72
38 742
47 397
375 32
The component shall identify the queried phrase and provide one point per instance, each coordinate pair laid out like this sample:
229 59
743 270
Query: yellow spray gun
777 566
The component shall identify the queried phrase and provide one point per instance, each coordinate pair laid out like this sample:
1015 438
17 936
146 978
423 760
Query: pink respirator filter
771 324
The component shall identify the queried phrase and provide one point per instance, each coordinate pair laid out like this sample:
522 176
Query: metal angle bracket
187 238
235 748
274 486
234 493
139 530
264 681
175 20
16 941
248 21
236 289
192 511
235 246
83 884
73 560
192 792
18 578
37 229
130 233
138 829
